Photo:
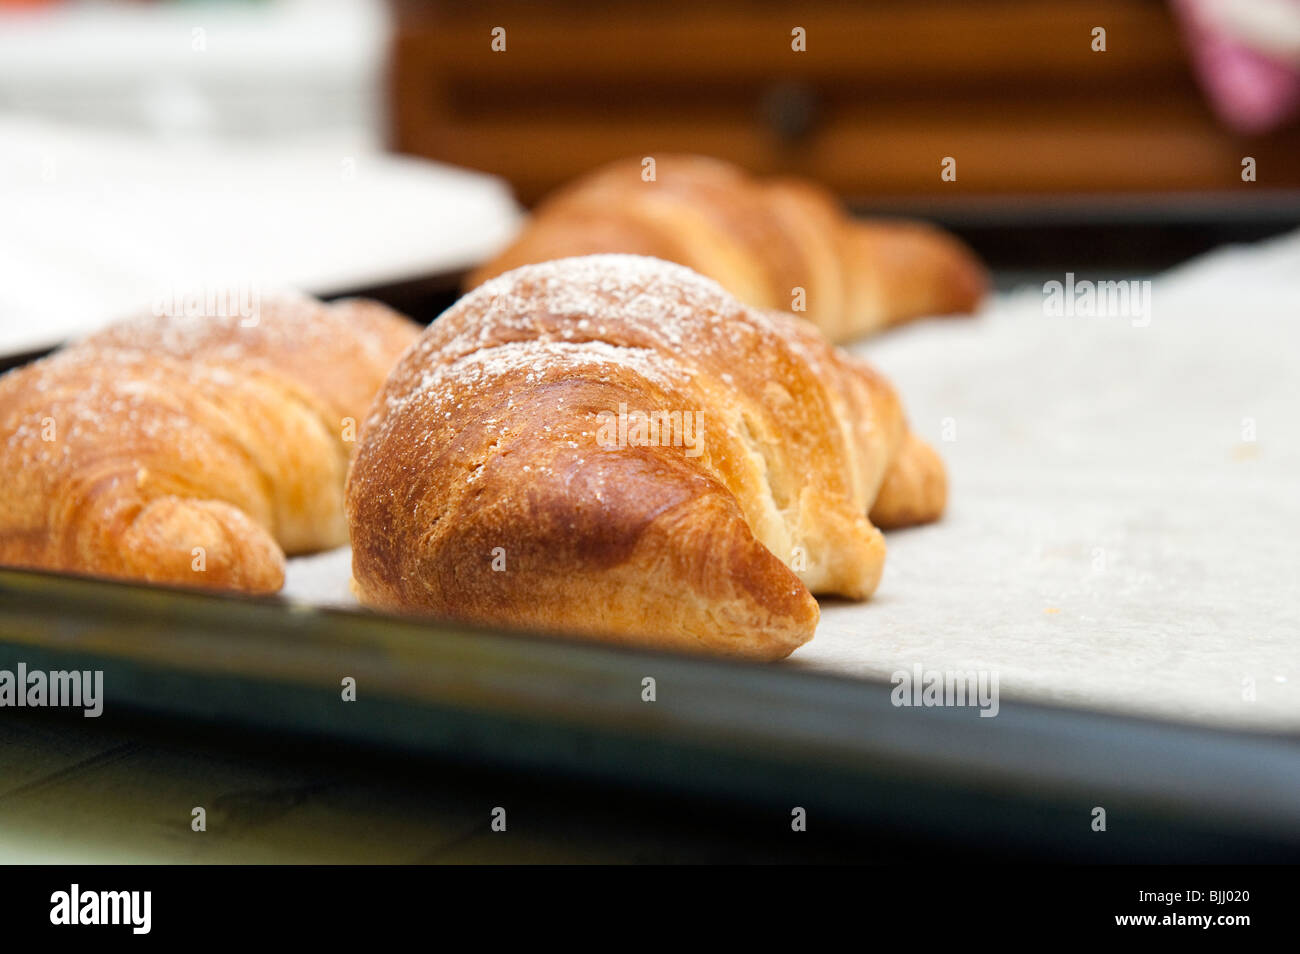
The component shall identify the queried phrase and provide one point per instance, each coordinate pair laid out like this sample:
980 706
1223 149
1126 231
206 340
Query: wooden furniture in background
1011 89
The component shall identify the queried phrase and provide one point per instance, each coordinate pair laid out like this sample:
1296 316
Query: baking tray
757 735
760 736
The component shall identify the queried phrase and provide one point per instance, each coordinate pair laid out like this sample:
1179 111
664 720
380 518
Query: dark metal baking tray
758 735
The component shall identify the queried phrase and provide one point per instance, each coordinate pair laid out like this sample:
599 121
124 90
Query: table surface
113 791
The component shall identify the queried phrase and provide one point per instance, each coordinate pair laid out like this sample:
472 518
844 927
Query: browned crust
903 270
484 443
191 451
915 488
761 239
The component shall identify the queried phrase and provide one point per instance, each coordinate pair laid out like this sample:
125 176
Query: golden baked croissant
191 450
615 446
773 243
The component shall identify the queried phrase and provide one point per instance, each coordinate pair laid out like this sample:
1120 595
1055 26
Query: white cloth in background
95 225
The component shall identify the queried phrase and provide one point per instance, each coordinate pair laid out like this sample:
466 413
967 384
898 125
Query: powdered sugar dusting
281 325
655 318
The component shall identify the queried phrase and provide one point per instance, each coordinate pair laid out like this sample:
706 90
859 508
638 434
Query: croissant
614 446
777 243
191 450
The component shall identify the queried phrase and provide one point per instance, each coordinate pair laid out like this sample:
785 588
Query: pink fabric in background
1251 89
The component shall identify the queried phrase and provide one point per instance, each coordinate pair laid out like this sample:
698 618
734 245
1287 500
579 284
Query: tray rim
550 704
